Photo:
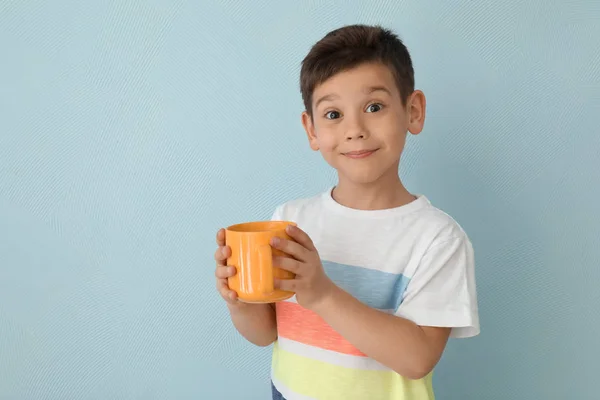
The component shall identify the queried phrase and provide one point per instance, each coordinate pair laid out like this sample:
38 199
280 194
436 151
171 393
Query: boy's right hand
224 271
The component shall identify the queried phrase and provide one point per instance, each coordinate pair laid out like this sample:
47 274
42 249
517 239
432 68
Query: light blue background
130 131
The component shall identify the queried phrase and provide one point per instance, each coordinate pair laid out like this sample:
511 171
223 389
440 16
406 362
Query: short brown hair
347 47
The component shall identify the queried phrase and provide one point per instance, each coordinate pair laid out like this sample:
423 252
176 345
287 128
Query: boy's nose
355 129
356 135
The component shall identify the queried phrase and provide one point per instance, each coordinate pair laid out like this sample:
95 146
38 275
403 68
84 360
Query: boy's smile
359 122
359 153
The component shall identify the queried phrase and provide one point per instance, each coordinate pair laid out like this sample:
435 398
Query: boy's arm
440 297
410 350
255 322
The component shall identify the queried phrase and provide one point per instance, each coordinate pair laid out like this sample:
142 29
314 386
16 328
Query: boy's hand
223 271
311 284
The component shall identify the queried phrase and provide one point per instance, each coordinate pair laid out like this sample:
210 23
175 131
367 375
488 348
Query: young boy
383 278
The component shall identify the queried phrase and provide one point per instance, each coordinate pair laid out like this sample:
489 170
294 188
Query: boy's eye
374 107
332 115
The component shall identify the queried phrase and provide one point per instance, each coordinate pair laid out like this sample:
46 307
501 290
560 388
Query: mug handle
265 257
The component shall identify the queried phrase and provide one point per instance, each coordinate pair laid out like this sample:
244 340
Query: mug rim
280 226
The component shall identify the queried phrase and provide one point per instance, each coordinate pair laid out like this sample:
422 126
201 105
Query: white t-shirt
413 261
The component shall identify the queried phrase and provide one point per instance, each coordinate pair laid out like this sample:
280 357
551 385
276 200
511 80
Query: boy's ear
416 105
309 127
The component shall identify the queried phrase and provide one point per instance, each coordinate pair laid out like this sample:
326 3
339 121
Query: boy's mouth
359 153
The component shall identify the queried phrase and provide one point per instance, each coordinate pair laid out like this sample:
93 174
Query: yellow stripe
321 380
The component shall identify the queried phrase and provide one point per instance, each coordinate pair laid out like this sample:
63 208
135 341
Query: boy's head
357 85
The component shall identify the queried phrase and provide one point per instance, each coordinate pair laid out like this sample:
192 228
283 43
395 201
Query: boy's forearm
393 341
255 322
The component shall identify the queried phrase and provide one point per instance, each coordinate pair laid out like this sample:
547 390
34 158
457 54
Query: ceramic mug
252 256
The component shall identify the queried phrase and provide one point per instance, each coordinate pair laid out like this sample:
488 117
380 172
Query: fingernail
275 241
290 228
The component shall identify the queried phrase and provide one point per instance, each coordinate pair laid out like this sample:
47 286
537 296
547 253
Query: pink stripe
296 323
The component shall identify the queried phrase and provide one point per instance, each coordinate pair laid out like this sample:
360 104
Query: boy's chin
361 177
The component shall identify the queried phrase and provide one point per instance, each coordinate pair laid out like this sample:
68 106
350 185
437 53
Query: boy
383 278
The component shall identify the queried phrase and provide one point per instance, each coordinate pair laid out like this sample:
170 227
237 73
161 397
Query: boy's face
359 123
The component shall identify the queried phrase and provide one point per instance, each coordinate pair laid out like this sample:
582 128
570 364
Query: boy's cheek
327 142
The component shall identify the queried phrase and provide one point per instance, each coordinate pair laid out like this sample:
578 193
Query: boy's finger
221 237
225 272
290 247
288 285
222 254
232 297
288 264
228 295
222 286
219 257
300 236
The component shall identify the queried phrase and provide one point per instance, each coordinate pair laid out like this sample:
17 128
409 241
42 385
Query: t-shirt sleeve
442 291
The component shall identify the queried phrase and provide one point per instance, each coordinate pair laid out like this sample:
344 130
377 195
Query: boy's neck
380 195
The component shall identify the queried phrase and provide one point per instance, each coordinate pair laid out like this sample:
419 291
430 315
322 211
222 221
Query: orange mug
252 256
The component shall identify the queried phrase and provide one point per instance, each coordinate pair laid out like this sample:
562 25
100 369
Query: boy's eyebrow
373 89
327 97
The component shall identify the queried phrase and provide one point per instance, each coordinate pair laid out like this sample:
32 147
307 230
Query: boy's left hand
311 284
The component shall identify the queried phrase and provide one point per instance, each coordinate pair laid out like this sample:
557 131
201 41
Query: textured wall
130 131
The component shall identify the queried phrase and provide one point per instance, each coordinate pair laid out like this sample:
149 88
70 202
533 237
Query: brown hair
347 47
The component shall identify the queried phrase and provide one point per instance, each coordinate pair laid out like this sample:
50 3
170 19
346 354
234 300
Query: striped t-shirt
413 261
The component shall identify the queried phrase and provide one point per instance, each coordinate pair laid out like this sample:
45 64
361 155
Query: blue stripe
377 289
